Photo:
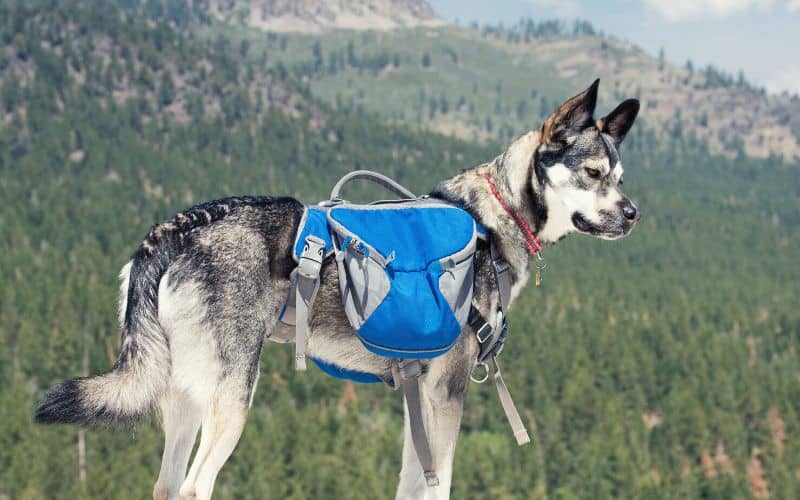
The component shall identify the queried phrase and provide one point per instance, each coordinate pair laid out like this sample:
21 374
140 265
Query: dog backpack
394 257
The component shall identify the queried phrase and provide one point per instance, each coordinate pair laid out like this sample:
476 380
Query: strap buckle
484 333
500 264
310 262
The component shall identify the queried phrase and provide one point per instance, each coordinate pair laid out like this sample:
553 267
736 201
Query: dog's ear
619 122
572 117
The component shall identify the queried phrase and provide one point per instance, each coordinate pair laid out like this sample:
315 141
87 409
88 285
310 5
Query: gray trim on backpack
362 280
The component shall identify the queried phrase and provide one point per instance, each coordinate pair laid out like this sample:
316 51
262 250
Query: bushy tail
140 374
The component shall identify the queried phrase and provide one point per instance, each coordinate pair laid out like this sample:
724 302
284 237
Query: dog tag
540 265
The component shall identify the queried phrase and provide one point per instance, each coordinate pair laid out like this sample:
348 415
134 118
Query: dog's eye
593 173
620 181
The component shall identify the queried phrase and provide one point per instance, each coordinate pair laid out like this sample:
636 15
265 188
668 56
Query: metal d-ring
485 375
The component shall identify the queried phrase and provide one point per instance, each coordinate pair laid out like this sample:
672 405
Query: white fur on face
618 171
563 198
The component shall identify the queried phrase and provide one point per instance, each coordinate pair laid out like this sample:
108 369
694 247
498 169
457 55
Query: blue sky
760 37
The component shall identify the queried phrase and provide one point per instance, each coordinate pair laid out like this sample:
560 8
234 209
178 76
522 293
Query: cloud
693 10
786 78
793 6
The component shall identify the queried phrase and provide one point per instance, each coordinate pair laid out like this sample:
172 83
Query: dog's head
577 170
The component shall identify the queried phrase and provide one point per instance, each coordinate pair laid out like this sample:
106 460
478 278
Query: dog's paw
161 494
188 494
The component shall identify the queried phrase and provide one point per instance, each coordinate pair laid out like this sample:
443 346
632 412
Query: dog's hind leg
223 423
442 398
181 420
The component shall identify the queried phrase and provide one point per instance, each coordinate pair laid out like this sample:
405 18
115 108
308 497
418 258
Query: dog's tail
142 370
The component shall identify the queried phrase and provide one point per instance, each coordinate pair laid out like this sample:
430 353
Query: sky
759 37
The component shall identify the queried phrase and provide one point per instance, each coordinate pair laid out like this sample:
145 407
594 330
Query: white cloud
793 6
786 78
694 10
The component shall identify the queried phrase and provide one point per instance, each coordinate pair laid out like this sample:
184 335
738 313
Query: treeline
527 29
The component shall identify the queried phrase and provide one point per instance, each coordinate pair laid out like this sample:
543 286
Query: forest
663 365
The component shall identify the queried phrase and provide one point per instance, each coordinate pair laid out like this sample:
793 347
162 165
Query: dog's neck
513 174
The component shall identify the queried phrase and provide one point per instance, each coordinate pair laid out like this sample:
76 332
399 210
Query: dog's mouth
610 231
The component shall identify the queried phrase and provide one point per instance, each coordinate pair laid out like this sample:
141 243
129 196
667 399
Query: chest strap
492 338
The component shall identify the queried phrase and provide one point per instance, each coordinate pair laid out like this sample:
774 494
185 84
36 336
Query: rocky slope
316 16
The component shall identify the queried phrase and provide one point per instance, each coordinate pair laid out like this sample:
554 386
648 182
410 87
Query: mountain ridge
513 76
410 66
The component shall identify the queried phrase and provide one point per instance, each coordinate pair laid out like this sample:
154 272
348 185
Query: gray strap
306 290
520 433
502 272
375 177
418 435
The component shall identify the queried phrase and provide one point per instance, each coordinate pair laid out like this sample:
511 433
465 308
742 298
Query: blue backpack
406 272
415 254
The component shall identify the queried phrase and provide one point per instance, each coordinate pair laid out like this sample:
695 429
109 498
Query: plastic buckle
484 333
311 259
501 265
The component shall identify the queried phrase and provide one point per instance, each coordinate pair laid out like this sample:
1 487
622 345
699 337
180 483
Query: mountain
494 83
663 365
317 16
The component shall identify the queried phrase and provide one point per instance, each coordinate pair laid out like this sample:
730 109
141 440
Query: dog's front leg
442 408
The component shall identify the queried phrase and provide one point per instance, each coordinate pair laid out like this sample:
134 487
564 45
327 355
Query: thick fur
203 291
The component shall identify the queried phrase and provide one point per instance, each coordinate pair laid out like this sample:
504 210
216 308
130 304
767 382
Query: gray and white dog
203 291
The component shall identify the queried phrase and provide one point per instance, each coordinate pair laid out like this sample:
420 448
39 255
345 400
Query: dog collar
531 243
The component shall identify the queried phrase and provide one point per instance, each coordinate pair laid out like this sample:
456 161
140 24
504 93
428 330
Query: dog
203 291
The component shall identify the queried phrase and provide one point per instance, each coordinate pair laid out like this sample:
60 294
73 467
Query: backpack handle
375 177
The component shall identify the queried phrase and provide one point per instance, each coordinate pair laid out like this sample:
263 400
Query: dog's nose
629 210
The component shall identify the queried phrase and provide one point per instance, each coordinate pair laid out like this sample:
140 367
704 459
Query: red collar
531 242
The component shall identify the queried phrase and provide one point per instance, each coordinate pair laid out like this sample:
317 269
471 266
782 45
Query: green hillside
663 365
492 83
